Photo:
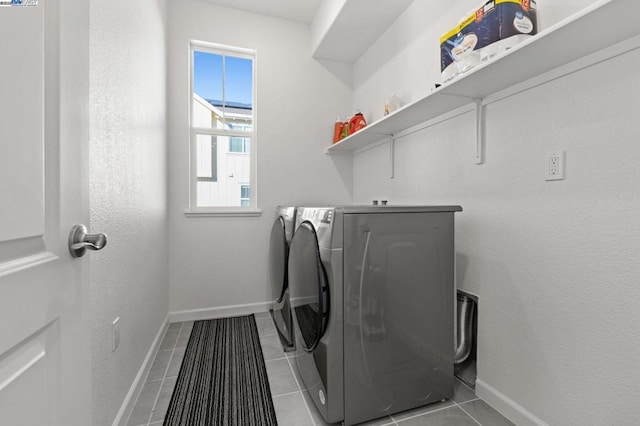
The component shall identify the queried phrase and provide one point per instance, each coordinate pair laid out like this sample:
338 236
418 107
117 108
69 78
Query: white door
45 352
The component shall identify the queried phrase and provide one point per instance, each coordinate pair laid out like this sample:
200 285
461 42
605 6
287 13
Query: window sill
239 212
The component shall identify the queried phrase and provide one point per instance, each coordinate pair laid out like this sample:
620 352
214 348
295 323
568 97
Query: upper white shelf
598 27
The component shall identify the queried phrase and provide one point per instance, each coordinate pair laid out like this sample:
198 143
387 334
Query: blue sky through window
207 77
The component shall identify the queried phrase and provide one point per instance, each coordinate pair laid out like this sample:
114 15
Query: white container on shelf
392 104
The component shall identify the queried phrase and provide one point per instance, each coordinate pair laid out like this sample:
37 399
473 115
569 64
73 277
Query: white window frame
194 210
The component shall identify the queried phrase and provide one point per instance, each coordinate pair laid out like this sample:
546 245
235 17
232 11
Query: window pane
223 176
238 85
222 91
207 157
238 81
207 90
244 191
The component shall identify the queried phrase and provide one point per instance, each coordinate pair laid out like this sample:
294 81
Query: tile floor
291 400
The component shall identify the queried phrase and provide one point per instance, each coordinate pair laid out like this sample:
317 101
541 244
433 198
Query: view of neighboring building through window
244 195
237 144
222 126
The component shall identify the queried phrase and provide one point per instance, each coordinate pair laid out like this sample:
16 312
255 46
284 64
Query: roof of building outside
230 104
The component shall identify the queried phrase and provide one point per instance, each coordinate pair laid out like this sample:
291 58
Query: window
237 144
223 133
244 195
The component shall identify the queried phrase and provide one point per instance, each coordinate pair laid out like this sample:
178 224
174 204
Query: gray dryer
281 234
373 295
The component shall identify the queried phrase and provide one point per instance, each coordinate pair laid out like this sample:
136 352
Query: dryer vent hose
466 309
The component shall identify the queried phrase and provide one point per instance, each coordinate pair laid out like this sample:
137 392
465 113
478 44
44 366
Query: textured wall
555 264
128 175
222 261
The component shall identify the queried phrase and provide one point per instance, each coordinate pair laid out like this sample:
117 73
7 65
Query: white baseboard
219 312
141 377
506 406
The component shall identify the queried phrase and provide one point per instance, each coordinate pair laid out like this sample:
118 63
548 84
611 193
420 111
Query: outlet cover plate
554 165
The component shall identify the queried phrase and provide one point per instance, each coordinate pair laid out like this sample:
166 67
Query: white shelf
605 24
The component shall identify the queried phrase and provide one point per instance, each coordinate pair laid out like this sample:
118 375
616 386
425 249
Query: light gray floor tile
271 347
319 420
163 400
280 377
264 314
159 366
452 416
422 410
296 373
294 407
291 411
266 327
142 410
462 393
170 338
382 421
386 420
484 413
183 338
176 362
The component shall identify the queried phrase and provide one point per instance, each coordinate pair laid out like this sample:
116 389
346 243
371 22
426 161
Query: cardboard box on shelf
486 33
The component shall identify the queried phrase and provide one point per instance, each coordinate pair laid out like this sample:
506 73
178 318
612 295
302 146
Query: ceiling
293 10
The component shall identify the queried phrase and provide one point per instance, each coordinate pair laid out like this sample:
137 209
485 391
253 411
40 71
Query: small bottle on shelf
393 103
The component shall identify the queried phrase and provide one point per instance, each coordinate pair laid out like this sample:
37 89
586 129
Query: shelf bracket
392 156
479 108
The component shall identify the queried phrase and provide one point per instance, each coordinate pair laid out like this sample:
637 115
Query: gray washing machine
281 234
373 299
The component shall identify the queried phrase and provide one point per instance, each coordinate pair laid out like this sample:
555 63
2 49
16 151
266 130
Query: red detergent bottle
356 123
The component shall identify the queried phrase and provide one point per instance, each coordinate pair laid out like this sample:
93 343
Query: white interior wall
222 261
554 263
406 59
128 191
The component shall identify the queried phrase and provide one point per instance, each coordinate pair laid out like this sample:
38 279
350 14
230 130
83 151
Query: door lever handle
80 241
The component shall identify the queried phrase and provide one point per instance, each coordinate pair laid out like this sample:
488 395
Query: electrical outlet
115 334
554 167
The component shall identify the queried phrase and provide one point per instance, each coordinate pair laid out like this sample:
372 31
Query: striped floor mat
223 379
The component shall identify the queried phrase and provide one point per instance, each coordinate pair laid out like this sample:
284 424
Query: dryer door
308 286
278 258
